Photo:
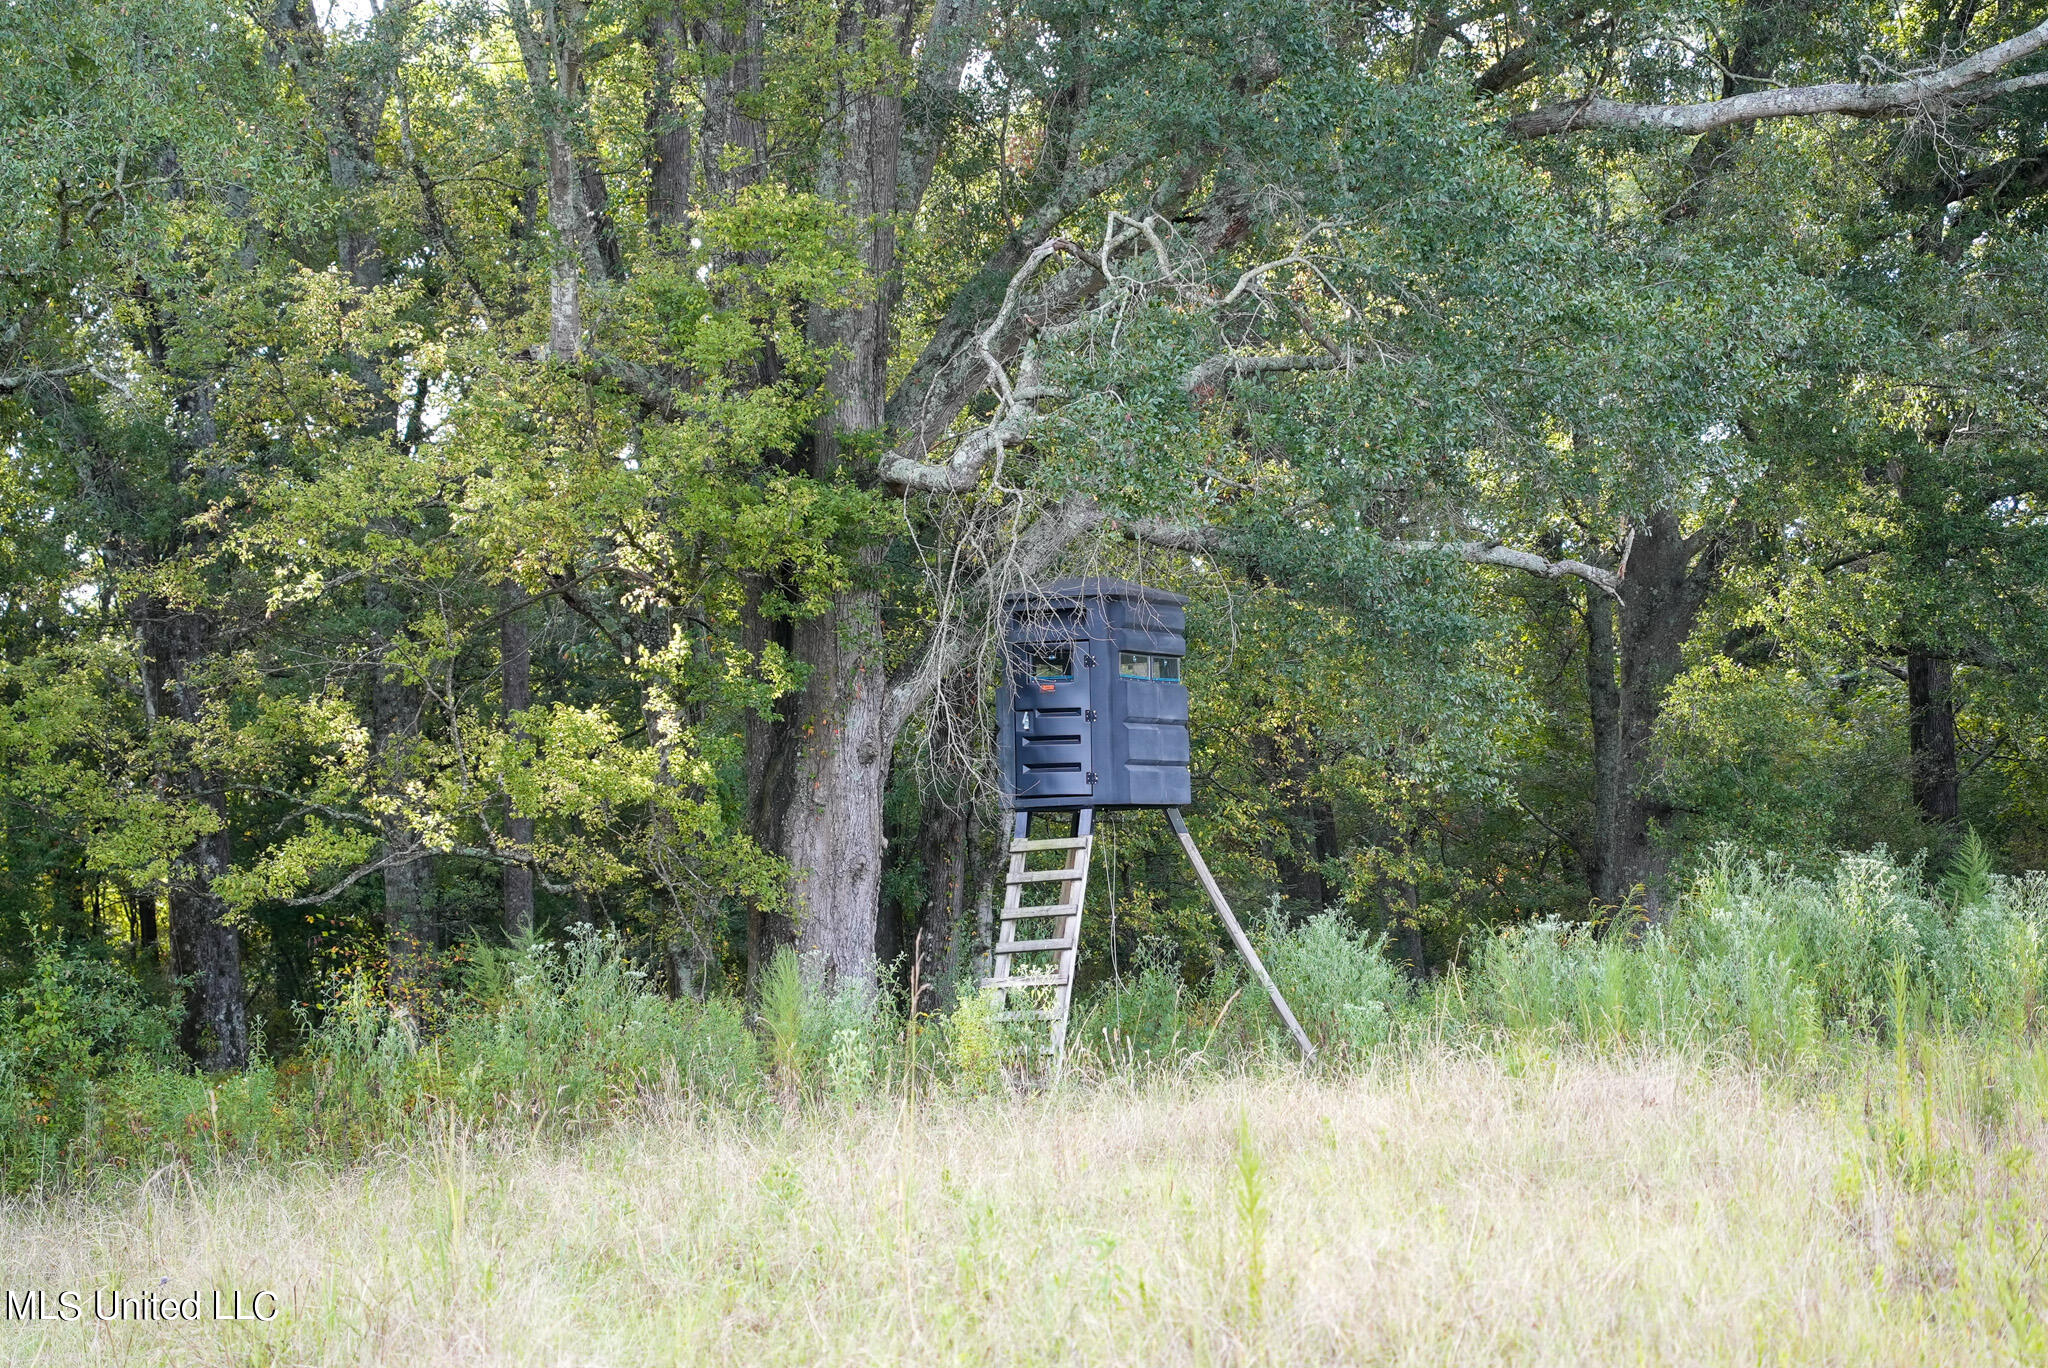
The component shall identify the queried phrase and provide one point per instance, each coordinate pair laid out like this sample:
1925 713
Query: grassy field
1443 1206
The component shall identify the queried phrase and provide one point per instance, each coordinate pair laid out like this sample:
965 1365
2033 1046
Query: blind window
1146 665
1052 662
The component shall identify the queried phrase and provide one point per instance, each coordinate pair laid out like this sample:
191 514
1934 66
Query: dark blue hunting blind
1096 715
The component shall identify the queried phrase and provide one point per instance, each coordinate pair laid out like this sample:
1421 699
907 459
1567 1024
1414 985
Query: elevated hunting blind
1094 714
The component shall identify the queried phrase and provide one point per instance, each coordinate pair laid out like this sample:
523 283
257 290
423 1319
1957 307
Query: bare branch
1962 83
1256 274
1197 539
359 872
948 372
1205 379
1035 551
23 379
905 466
1506 557
1025 314
2035 81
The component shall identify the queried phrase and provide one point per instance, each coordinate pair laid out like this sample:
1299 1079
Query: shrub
1136 1021
71 1023
1778 960
820 1043
575 1033
974 1042
548 1036
567 1035
1340 984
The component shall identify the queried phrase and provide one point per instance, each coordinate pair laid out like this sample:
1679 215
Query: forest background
475 472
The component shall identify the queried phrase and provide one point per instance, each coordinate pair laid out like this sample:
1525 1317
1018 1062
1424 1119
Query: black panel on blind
1095 711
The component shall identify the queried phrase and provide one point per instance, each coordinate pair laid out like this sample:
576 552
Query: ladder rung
1011 914
1026 947
1048 980
1031 876
1034 1014
1054 843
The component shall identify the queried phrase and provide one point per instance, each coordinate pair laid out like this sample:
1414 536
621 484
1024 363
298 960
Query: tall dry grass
1441 1206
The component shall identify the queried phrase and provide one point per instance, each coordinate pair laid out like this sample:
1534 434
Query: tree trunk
1301 871
735 142
583 241
1666 579
668 132
516 664
142 907
1411 930
1603 706
828 821
692 962
770 762
946 839
206 950
831 823
1931 712
410 934
206 955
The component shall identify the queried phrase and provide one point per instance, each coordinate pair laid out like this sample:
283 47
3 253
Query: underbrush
1760 964
549 1038
1770 963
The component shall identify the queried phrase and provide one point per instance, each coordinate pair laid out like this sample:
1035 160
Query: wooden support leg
1237 936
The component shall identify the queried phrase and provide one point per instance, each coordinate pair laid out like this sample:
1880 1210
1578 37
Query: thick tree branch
1025 313
1014 405
949 40
1515 67
1508 558
1192 538
19 380
1964 82
1205 379
1197 540
657 397
2007 181
949 372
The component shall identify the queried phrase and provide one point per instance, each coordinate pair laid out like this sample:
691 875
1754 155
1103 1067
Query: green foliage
1149 1018
549 1037
820 1043
1968 880
71 1029
286 467
1774 961
576 1033
784 1003
974 1042
1759 959
1344 990
556 1038
1774 758
1248 1193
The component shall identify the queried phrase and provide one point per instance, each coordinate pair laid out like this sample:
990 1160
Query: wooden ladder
1033 969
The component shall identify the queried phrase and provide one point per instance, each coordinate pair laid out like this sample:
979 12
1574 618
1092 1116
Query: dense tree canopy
480 467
